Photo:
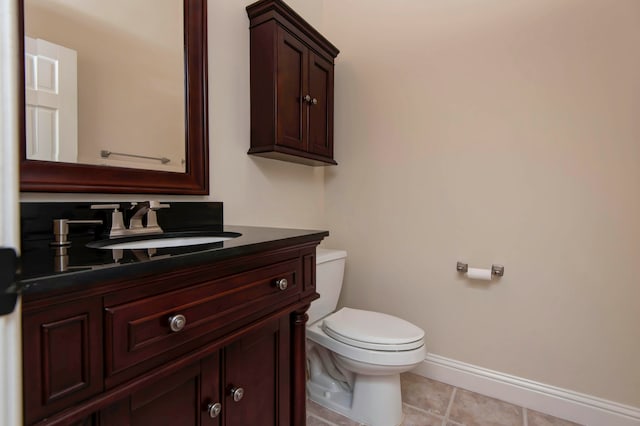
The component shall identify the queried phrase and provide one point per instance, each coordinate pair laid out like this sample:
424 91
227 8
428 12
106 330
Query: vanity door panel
320 126
260 365
62 356
291 88
180 399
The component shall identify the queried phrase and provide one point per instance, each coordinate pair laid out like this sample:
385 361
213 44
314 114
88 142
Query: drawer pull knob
282 283
237 394
177 322
214 409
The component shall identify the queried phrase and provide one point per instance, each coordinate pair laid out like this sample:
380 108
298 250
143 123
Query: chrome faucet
139 211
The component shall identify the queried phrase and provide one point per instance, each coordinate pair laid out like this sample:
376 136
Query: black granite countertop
39 260
46 269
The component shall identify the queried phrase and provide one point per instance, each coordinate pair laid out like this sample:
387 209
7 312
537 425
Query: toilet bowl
354 356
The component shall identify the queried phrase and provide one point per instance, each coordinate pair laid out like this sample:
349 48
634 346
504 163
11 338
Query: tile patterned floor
431 403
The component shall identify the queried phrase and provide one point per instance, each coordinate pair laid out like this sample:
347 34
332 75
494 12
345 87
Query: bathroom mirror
119 162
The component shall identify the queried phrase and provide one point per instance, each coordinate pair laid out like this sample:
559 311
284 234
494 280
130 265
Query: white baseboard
577 407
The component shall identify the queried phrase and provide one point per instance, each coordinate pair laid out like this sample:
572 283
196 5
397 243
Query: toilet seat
373 330
316 334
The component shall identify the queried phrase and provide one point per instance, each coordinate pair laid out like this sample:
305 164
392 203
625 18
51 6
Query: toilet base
375 401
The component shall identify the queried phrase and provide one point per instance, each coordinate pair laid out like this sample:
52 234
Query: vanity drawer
141 330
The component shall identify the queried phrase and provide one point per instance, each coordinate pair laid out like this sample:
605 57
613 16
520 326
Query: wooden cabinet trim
264 11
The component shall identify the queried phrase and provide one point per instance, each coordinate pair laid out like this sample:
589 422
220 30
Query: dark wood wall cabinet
291 86
219 344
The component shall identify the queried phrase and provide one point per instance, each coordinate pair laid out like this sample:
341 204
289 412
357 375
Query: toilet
355 357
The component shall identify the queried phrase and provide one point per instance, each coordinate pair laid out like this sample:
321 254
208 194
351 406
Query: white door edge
10 325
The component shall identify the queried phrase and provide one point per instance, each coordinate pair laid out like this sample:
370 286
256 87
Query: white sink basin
162 241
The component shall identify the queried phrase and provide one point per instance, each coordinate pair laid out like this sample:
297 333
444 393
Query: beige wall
495 131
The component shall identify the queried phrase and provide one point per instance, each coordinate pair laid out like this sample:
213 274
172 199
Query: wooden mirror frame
48 176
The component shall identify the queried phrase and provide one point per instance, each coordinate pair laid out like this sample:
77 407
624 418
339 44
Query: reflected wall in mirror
138 109
85 62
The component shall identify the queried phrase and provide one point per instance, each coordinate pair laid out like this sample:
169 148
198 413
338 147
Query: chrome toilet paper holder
496 270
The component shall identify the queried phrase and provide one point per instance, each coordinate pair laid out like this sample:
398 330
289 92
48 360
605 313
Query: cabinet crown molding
265 10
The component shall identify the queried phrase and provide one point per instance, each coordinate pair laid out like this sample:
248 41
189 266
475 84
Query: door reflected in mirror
105 83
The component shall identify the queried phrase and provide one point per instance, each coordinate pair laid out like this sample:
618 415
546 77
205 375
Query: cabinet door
321 107
180 399
259 364
62 357
291 109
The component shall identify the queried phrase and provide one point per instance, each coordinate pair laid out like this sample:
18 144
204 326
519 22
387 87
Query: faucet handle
152 217
156 205
117 222
113 207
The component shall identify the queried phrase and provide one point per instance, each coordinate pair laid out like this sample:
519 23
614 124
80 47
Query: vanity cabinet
292 81
165 348
245 383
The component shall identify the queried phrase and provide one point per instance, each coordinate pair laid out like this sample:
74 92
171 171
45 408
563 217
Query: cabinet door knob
237 393
214 409
314 101
177 322
307 98
282 284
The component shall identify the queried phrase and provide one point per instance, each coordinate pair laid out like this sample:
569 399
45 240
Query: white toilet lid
373 330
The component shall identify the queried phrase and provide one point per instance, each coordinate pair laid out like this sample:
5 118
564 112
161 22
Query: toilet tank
329 274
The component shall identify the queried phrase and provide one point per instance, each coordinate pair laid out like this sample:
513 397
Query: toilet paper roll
479 274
